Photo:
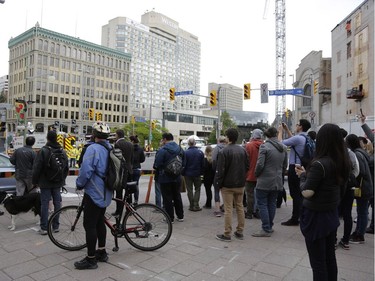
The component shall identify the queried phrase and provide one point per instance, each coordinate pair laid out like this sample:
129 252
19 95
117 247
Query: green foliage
227 123
142 130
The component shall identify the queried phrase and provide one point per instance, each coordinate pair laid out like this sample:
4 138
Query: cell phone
283 124
361 111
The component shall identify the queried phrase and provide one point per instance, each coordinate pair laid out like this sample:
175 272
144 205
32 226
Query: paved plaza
192 254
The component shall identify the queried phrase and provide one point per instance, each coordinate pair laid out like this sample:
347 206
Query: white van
198 142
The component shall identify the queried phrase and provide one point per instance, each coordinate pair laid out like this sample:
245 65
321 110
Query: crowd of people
246 179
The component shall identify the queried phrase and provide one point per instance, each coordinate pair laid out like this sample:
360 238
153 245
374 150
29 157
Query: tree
142 130
227 122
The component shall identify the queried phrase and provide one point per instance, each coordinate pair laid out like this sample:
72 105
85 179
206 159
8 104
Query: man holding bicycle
96 197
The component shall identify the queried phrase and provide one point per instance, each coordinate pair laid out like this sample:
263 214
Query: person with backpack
127 150
297 144
97 197
170 182
50 170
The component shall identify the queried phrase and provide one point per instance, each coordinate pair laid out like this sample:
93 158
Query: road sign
74 121
57 123
183 93
264 93
296 91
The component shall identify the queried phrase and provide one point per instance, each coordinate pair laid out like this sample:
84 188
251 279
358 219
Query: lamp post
81 101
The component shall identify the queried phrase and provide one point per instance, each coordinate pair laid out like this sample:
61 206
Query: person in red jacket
252 149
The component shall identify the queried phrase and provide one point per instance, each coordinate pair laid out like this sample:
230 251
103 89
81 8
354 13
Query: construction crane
280 32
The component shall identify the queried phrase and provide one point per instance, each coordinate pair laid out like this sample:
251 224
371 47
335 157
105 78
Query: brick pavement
193 253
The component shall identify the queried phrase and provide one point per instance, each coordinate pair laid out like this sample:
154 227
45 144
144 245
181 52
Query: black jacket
40 168
139 156
232 166
23 158
321 178
127 152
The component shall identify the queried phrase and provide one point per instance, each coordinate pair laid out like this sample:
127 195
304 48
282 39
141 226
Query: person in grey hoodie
271 164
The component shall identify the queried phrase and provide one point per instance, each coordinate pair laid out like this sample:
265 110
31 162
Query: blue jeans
362 215
45 196
157 194
266 202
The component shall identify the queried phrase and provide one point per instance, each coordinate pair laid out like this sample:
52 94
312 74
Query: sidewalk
192 253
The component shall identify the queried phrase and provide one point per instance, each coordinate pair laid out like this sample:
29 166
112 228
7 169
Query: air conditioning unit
355 94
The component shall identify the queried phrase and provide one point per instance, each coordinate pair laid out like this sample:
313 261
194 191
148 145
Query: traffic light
316 85
171 94
133 119
213 98
99 116
91 113
153 125
246 91
3 127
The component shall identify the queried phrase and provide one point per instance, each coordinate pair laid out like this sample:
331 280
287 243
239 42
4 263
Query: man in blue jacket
170 186
96 197
193 169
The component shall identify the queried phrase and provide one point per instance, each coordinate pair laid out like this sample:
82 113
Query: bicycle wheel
71 235
148 228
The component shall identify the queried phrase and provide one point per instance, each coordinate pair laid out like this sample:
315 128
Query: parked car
7 170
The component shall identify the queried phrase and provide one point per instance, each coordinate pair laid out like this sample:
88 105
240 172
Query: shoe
238 235
135 203
217 214
56 230
256 215
370 230
101 255
86 263
180 220
197 209
224 238
191 209
358 239
344 245
1 213
248 216
261 233
115 214
42 232
222 208
290 223
207 207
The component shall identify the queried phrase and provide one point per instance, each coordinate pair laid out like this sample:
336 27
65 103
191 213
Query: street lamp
81 101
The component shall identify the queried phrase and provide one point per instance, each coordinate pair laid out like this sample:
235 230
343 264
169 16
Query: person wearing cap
252 149
96 196
270 166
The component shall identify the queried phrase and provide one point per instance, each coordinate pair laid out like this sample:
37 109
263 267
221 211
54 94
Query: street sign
264 93
74 121
296 91
57 123
183 93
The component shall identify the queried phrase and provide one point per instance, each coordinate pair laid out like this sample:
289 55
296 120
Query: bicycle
146 227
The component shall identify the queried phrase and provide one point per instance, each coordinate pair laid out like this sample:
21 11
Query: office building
66 83
164 56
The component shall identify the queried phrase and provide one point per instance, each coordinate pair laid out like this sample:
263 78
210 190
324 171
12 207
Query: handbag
358 190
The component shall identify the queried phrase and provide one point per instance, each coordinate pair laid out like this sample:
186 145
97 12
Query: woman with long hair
208 175
322 187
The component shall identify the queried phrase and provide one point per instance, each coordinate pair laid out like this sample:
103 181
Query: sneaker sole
224 240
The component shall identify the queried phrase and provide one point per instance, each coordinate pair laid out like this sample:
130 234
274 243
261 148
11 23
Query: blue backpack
308 151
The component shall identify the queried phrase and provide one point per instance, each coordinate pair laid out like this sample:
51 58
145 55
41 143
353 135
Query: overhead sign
296 91
264 93
183 93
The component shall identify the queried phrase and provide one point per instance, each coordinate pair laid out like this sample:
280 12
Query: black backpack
173 168
56 165
308 151
116 171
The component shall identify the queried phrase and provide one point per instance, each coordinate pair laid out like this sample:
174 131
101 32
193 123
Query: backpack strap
295 151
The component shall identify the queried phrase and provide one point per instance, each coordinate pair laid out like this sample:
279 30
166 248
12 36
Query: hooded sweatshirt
252 149
271 164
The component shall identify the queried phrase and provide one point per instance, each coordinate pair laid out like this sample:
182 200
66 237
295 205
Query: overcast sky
237 43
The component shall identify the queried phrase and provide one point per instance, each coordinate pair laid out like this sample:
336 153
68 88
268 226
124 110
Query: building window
349 50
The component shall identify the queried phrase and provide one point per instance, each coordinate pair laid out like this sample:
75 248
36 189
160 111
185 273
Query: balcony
355 94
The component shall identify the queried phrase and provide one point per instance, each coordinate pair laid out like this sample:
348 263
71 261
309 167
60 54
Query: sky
237 37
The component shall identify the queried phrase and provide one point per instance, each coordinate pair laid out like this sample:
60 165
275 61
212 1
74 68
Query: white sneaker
42 232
